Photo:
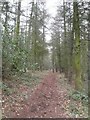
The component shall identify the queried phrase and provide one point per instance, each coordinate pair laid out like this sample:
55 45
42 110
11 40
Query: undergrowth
78 104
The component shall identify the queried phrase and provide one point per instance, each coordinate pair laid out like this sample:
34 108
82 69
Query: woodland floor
47 97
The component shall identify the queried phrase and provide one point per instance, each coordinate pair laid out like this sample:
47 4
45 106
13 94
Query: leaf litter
48 99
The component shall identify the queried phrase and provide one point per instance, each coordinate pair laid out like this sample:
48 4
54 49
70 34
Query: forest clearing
45 65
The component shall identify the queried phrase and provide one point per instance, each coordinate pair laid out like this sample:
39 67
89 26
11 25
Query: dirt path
45 101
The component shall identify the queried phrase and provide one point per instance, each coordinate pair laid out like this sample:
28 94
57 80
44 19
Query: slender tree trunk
65 43
53 58
71 38
89 42
18 22
28 42
43 39
89 50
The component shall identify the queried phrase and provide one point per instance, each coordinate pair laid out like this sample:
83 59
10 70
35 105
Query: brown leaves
45 100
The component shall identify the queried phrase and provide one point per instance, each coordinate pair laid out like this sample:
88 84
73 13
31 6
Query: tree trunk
89 48
77 47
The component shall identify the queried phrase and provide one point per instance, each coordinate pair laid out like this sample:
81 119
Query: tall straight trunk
43 39
59 52
70 69
0 43
53 56
59 59
28 39
89 42
18 22
15 22
89 50
53 62
6 16
84 57
6 34
35 60
34 38
65 43
77 47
